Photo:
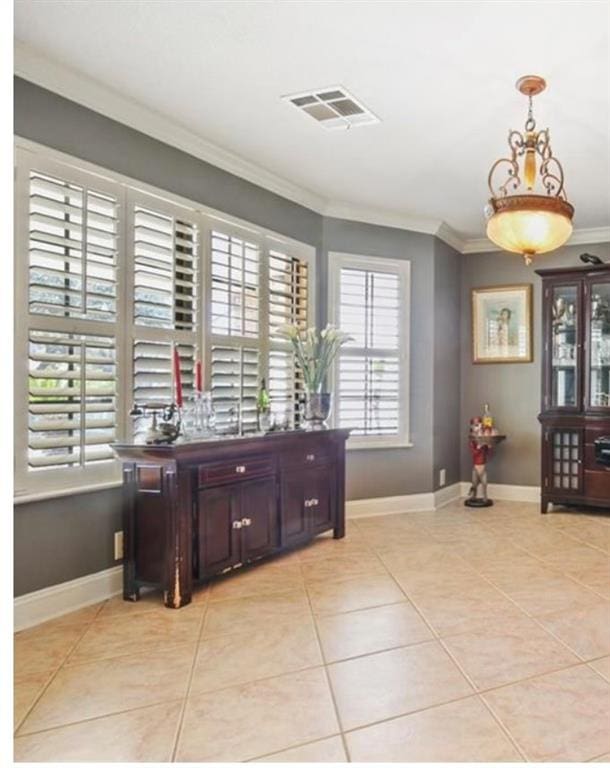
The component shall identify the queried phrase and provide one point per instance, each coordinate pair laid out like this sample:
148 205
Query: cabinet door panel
597 318
219 541
322 511
259 514
565 461
293 513
564 361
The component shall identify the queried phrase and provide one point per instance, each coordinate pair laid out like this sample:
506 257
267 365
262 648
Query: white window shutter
165 270
371 374
235 269
235 381
73 234
72 399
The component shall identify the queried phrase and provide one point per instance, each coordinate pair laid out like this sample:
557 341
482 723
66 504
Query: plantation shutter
165 275
288 304
369 370
165 270
235 357
153 374
72 399
235 381
235 286
73 233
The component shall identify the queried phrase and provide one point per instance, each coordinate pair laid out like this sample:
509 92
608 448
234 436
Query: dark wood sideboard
196 509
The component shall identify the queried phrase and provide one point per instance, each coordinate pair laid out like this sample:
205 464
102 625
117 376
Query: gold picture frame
502 324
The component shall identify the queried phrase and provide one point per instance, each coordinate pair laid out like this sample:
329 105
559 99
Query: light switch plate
118 545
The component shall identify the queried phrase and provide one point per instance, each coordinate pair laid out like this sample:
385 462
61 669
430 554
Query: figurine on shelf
483 437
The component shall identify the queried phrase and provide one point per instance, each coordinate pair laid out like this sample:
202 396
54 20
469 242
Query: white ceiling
440 75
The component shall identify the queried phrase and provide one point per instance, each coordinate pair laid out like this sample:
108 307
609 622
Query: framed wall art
502 324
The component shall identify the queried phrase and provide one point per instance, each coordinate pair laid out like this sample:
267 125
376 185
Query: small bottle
488 420
263 406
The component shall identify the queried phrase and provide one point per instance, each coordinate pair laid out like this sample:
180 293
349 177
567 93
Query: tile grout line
17 730
296 746
180 722
93 718
533 617
327 676
538 622
463 672
504 729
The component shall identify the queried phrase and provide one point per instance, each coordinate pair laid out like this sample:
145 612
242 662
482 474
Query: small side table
481 447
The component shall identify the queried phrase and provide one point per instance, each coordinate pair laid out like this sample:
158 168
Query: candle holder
199 416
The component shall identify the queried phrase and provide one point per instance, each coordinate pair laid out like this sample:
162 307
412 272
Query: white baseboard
51 602
395 505
447 495
508 492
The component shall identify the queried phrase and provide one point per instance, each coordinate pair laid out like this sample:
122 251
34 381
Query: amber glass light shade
529 224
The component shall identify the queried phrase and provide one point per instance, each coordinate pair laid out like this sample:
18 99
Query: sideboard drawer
232 471
303 458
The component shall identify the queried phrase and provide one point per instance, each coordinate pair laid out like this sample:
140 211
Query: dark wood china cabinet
575 412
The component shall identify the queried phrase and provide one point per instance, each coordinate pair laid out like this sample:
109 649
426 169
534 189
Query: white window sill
355 446
52 493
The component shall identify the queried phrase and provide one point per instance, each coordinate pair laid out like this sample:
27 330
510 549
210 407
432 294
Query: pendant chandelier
528 212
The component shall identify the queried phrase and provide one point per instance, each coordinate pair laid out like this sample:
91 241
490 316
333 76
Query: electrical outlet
442 477
118 545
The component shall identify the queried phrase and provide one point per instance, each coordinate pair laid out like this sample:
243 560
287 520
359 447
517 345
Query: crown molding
339 210
579 237
591 235
448 235
419 224
71 84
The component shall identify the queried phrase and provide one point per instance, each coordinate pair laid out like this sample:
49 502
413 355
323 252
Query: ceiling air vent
333 107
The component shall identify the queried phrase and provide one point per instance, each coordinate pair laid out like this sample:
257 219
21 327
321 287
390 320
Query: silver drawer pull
237 523
311 502
246 521
240 469
310 457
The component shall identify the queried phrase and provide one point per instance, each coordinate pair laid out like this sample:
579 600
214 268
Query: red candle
177 379
198 386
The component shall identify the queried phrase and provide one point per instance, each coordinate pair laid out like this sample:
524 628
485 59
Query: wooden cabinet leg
339 530
544 507
130 589
178 556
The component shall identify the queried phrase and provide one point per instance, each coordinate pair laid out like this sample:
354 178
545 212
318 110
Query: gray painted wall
67 537
63 538
447 359
512 389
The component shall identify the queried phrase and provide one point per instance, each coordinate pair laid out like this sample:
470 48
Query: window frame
29 486
402 267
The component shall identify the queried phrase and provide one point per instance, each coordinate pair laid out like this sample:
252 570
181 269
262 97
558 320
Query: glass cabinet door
598 310
565 358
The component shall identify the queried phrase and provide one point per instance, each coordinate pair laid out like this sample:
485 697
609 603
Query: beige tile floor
460 635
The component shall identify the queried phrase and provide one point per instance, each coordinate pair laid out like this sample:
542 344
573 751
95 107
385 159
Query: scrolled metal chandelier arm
550 170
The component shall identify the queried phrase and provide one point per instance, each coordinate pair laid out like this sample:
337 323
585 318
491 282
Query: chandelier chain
530 123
